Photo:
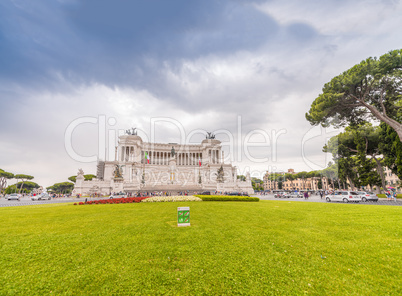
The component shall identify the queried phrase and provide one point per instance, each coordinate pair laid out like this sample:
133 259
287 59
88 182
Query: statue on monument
172 152
118 172
80 172
219 177
131 132
210 136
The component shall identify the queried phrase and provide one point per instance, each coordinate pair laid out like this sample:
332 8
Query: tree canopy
370 89
357 154
86 178
27 186
241 177
4 176
257 184
23 178
391 147
63 187
11 189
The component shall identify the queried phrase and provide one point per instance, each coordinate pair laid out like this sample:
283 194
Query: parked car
206 193
345 196
279 194
41 196
293 195
118 195
367 196
13 196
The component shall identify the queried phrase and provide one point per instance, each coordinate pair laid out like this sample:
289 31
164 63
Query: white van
345 196
118 195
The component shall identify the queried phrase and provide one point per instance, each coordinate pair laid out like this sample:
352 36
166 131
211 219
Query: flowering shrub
114 201
172 198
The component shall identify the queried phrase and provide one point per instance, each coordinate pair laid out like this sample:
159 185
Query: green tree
371 89
319 184
280 185
355 151
89 177
26 186
63 187
23 179
241 177
391 147
347 171
366 166
341 147
11 189
257 184
4 176
331 173
86 178
319 175
278 179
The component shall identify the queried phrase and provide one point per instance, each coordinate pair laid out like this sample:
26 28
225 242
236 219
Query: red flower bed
114 201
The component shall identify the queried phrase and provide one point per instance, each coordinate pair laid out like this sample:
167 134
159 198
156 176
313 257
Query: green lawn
231 248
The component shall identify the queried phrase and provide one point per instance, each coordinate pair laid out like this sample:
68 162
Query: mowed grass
231 248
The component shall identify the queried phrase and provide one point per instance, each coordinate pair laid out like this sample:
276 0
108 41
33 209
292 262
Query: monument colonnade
160 157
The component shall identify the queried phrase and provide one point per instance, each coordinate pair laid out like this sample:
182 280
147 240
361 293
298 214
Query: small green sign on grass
183 216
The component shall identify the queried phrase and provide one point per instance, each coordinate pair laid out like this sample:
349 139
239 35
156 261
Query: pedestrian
388 194
394 194
305 195
321 193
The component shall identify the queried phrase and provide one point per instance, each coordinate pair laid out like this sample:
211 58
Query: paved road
26 201
316 198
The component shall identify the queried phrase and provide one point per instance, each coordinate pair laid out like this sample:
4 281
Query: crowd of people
391 194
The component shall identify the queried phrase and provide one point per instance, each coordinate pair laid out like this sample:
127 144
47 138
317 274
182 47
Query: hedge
226 198
382 195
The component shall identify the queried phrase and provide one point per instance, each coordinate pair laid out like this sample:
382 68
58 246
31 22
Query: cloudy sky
72 71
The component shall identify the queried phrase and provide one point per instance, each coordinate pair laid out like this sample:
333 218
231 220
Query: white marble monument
141 166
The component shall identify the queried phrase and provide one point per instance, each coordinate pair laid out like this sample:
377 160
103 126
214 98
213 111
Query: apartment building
297 184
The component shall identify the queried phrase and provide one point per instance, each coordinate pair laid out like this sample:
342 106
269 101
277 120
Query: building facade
143 166
296 184
391 180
